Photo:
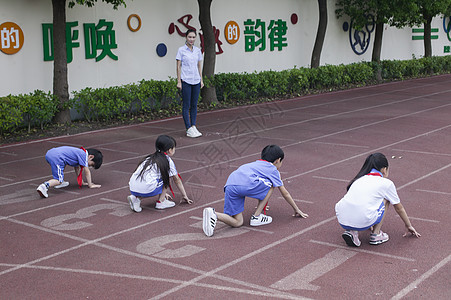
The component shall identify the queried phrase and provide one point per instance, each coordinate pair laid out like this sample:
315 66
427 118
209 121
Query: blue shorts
380 214
235 194
57 167
155 192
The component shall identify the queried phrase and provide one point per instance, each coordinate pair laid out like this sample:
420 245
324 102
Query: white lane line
200 185
433 192
330 178
156 279
244 257
118 151
422 152
424 220
296 200
422 278
21 160
369 152
362 250
7 179
425 176
344 145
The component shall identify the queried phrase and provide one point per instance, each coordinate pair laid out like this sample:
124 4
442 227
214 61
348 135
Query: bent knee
238 223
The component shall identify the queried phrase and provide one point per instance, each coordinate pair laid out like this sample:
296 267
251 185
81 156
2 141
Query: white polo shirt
190 59
151 179
359 207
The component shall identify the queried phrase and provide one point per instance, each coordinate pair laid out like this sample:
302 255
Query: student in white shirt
189 81
151 177
368 197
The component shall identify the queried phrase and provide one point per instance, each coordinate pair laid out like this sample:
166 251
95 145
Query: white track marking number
302 278
62 222
159 246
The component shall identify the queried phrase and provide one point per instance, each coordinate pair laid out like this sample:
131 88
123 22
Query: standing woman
189 80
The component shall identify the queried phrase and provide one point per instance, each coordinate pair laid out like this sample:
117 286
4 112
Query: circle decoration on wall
129 21
345 26
12 38
360 39
162 50
232 32
294 19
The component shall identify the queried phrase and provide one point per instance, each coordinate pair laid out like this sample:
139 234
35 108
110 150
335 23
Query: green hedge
147 96
124 101
26 110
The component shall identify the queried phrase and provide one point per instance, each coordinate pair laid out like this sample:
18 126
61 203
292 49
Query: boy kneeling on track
255 180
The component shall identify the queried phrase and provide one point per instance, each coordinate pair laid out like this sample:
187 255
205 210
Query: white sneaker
42 190
351 238
165 204
376 239
191 132
197 131
135 203
260 220
62 185
209 221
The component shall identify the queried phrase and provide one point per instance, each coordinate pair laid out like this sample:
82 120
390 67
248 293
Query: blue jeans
190 96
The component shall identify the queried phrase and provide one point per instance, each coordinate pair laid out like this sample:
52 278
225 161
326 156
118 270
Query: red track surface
87 243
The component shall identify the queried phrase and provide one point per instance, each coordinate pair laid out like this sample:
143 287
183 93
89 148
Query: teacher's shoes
193 132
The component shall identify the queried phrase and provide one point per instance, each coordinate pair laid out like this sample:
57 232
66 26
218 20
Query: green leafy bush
10 114
38 108
147 96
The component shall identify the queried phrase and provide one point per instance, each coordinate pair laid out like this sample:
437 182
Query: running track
88 244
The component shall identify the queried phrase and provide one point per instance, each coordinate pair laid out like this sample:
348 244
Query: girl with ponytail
368 196
152 176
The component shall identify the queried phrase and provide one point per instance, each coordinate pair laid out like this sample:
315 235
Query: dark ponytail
162 144
373 161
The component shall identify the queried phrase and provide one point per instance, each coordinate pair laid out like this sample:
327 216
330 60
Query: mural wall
109 47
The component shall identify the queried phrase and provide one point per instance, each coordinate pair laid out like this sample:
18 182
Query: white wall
26 70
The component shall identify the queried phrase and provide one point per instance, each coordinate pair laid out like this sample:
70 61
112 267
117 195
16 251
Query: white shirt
151 179
190 64
358 208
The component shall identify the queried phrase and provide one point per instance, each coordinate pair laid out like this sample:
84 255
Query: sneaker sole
378 242
260 223
42 194
206 226
62 185
348 239
164 207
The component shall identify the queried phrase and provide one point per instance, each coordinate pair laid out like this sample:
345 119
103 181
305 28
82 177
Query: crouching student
151 177
367 199
254 180
79 158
